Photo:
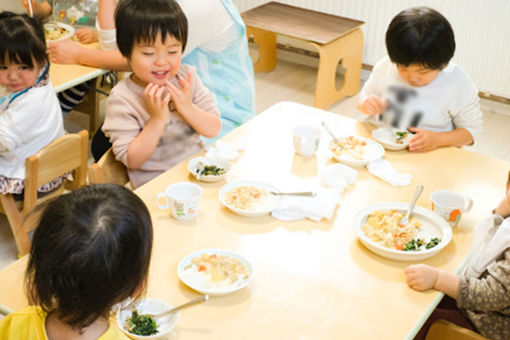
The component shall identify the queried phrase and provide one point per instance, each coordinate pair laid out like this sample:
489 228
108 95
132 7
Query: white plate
388 138
149 306
432 226
272 201
206 288
219 162
373 151
51 26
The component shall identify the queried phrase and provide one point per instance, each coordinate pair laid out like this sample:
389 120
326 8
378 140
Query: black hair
420 35
142 20
91 249
22 40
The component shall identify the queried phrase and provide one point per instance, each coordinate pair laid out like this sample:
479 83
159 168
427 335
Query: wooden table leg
349 50
90 106
266 42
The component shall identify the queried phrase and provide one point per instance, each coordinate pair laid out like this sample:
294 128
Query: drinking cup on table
450 205
306 139
182 199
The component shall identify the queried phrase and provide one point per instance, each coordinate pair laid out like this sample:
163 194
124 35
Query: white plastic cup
450 205
306 139
182 199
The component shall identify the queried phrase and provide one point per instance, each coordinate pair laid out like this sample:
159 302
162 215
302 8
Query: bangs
148 33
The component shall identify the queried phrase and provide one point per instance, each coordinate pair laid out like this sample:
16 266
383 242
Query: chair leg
16 222
267 49
349 49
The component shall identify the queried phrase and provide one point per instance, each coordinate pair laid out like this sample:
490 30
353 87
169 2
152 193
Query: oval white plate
69 28
432 226
213 291
264 210
219 162
149 306
387 137
373 151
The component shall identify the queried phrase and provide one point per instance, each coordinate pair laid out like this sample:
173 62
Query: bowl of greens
135 321
208 169
392 139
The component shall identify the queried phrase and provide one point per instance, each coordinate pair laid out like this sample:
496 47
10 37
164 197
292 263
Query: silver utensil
200 167
335 139
417 193
298 193
199 299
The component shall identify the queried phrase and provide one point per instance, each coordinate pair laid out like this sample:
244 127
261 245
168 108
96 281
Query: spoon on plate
335 139
298 193
199 299
417 193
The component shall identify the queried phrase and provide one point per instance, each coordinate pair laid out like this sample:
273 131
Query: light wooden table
311 280
65 76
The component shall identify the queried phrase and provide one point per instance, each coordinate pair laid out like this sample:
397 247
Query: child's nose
161 60
12 74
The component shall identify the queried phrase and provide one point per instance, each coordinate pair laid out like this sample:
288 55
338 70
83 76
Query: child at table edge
481 295
155 117
420 44
82 262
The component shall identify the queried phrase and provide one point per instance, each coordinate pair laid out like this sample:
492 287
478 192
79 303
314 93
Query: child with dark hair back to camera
90 251
417 87
479 298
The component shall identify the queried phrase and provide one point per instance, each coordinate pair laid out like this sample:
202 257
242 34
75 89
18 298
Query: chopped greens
417 244
212 170
141 324
400 136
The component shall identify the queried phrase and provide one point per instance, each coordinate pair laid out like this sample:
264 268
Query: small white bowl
149 306
373 151
388 138
52 26
219 162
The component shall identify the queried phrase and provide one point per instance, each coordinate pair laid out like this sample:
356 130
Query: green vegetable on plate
141 324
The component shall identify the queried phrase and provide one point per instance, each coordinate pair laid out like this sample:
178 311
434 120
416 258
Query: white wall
482 32
11 5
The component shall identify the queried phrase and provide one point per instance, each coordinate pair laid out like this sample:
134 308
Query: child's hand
372 105
421 277
423 140
86 35
64 52
157 101
503 208
181 97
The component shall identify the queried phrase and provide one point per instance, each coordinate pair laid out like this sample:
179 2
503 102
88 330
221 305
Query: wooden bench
336 39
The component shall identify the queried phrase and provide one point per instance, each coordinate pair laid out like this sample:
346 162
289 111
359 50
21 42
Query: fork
417 193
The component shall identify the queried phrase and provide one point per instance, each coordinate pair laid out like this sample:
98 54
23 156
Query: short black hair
22 40
142 20
420 35
91 249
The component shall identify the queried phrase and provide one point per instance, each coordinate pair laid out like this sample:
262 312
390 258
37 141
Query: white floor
293 82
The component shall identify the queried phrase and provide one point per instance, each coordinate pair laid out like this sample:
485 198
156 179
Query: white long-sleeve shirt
449 102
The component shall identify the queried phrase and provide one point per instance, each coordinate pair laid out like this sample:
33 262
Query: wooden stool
336 38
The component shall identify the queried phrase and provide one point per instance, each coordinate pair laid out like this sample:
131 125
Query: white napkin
223 150
338 176
315 208
384 170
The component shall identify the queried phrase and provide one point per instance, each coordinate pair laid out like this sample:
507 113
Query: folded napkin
338 176
223 150
315 208
384 170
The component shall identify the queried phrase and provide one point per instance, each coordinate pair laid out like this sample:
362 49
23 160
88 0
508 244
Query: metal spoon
417 193
335 139
199 299
298 193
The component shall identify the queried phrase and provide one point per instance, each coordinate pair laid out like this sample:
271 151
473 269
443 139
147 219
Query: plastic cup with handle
306 139
182 199
450 205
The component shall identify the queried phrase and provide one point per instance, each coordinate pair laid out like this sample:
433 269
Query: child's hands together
157 99
421 276
181 97
86 35
423 140
372 105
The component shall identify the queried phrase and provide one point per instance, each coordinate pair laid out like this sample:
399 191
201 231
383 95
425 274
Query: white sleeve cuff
107 38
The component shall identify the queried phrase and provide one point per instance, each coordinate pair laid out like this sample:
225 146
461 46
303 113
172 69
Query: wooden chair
108 170
445 330
68 153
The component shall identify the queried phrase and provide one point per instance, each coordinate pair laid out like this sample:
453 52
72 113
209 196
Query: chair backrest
445 330
65 154
108 170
